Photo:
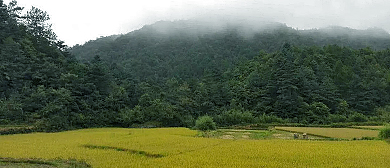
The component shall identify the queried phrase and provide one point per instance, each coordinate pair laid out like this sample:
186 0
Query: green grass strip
54 163
150 155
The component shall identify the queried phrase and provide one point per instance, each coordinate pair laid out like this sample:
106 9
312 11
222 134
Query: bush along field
182 147
384 133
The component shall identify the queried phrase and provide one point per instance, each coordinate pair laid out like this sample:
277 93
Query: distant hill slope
186 49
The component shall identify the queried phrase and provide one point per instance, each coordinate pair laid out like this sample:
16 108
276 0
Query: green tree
286 104
319 112
36 23
383 113
384 133
205 123
343 108
11 111
99 76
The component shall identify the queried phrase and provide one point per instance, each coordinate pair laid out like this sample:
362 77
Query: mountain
337 31
170 73
188 48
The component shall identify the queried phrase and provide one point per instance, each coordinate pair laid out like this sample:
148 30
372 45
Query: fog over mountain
235 39
78 21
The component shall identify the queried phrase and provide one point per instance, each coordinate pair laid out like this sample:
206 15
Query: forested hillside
170 73
185 49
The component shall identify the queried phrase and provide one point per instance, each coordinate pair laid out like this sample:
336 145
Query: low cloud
79 21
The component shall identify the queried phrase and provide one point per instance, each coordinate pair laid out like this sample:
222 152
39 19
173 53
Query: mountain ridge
200 46
199 28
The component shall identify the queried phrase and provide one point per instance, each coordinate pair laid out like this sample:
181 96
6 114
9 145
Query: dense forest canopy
170 73
185 49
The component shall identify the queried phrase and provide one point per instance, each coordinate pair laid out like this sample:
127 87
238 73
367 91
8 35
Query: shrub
234 117
340 125
384 133
18 130
383 113
336 118
4 122
357 117
188 121
205 123
269 119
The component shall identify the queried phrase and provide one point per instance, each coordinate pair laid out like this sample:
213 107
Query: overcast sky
77 21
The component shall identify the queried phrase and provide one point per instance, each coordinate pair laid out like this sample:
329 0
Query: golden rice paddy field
369 127
179 147
344 133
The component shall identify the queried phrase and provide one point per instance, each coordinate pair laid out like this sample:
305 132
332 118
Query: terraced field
369 127
344 133
180 147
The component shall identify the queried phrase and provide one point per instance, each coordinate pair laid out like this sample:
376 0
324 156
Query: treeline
131 83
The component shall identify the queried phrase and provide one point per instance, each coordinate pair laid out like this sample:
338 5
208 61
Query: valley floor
182 147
